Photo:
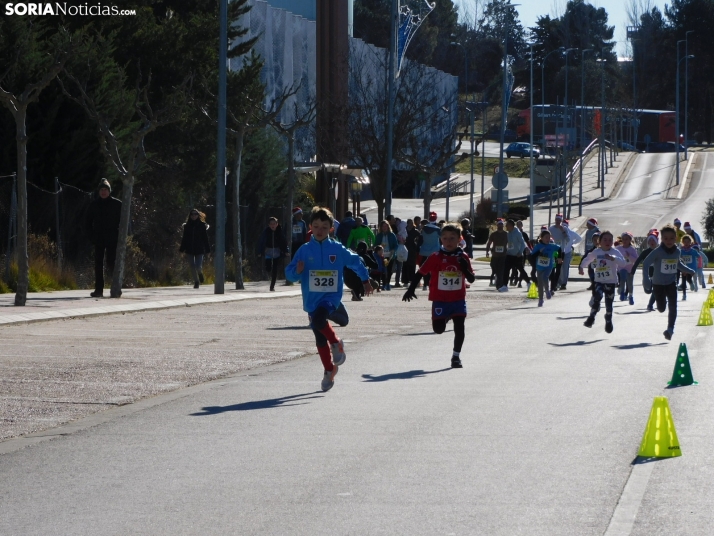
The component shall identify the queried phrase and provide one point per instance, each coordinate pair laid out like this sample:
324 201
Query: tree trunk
291 188
237 247
126 195
23 265
427 198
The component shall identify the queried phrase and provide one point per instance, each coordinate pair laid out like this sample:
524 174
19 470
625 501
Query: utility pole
220 260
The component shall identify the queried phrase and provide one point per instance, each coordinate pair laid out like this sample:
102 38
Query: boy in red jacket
449 269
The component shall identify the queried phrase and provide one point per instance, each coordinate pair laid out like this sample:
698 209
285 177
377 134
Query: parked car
521 149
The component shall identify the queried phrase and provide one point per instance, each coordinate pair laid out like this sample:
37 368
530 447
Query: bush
708 221
481 235
519 211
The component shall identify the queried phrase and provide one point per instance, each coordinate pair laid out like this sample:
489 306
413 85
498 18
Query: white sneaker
338 352
504 288
328 380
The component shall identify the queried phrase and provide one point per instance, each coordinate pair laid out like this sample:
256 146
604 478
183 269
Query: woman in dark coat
272 246
195 243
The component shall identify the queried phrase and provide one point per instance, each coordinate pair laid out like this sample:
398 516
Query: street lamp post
471 117
582 126
602 156
686 92
220 257
532 184
542 94
504 110
566 124
676 119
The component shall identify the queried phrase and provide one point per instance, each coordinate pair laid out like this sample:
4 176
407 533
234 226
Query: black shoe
195 285
608 326
589 322
456 362
272 289
200 277
667 335
562 287
397 285
97 294
592 286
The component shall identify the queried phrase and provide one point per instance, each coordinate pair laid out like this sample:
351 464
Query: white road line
623 518
684 179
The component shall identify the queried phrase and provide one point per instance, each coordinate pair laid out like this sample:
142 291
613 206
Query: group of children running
319 264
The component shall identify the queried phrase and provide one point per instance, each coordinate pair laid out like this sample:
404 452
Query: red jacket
447 283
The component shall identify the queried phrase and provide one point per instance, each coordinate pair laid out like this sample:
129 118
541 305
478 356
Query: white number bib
669 266
544 261
498 249
602 272
323 280
687 259
450 281
297 229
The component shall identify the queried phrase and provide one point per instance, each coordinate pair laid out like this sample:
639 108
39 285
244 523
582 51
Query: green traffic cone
682 374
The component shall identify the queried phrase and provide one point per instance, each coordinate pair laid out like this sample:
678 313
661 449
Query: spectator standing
343 232
515 249
566 239
388 240
499 241
467 237
102 225
272 246
409 268
299 231
429 242
361 233
194 244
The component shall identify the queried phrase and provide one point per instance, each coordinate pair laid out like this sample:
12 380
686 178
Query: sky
530 10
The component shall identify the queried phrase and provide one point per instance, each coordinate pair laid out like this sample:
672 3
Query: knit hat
687 226
559 217
653 238
499 221
593 221
654 232
432 216
628 233
297 210
677 221
104 183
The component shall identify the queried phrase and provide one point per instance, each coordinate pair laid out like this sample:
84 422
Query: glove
409 296
465 266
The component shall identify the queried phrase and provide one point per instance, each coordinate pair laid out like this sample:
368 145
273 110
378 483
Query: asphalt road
535 435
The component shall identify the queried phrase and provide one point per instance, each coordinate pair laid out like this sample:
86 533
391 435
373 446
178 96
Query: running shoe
684 296
338 352
397 285
622 296
456 362
520 285
548 294
608 326
650 308
504 288
589 322
632 300
328 379
668 334
703 285
195 285
540 302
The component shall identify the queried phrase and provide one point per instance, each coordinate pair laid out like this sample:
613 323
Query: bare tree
124 116
37 57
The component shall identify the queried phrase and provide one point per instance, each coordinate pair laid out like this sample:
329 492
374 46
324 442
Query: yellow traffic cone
660 438
710 298
533 291
710 281
705 317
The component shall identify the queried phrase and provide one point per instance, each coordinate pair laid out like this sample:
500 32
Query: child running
666 262
690 258
629 253
608 262
652 242
448 268
318 265
543 258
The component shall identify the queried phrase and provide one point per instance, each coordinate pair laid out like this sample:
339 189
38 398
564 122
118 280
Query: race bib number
544 261
450 281
687 259
498 249
323 280
669 266
602 272
297 229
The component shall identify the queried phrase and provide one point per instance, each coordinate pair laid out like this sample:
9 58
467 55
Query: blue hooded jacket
326 260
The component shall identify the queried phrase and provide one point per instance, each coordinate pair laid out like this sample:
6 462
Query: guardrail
558 190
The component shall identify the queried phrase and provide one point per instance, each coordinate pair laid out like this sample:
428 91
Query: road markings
623 518
684 179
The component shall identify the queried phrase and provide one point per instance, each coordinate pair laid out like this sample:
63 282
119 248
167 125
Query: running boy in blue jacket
318 265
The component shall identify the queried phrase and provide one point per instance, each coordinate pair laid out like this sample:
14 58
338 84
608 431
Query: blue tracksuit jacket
329 258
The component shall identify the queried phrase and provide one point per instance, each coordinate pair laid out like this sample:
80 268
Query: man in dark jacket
102 225
345 228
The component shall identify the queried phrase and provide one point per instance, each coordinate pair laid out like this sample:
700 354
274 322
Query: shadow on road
570 317
636 312
579 343
422 333
288 327
408 375
638 345
259 404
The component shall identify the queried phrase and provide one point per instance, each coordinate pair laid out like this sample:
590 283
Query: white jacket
565 238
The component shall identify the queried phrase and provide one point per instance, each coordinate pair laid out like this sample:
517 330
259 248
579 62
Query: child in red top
449 268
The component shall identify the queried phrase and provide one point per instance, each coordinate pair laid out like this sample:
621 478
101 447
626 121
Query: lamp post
686 92
542 94
532 184
602 156
469 107
391 74
676 119
565 147
565 117
219 262
582 126
504 110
